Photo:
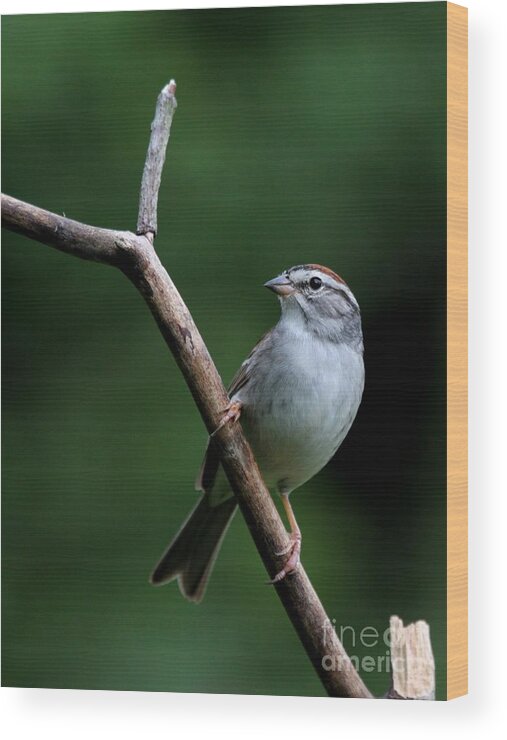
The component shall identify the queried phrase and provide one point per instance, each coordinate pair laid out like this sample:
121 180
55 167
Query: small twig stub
155 158
412 663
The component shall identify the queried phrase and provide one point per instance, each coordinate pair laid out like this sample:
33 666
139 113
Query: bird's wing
211 463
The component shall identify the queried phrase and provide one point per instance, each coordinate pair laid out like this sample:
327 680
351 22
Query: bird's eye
315 283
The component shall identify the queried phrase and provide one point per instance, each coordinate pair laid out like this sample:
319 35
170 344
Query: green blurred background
302 134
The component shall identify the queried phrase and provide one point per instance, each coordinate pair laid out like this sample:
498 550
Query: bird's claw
285 550
231 414
294 548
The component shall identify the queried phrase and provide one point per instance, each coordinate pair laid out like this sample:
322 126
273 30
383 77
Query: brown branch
135 256
78 239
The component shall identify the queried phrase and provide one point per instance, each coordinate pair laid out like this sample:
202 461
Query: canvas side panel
457 233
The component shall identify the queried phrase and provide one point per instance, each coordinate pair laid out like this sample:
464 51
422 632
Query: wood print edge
457 356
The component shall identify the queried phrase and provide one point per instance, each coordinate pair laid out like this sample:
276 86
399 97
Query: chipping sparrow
297 395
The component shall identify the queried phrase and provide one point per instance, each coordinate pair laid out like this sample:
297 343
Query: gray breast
298 405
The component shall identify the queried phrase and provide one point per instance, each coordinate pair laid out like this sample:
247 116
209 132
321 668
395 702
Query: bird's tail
191 555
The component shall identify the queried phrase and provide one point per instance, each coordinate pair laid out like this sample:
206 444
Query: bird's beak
280 285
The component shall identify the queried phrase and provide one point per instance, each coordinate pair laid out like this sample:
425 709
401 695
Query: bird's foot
293 549
231 414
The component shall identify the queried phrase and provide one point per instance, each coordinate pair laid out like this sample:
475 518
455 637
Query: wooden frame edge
457 354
